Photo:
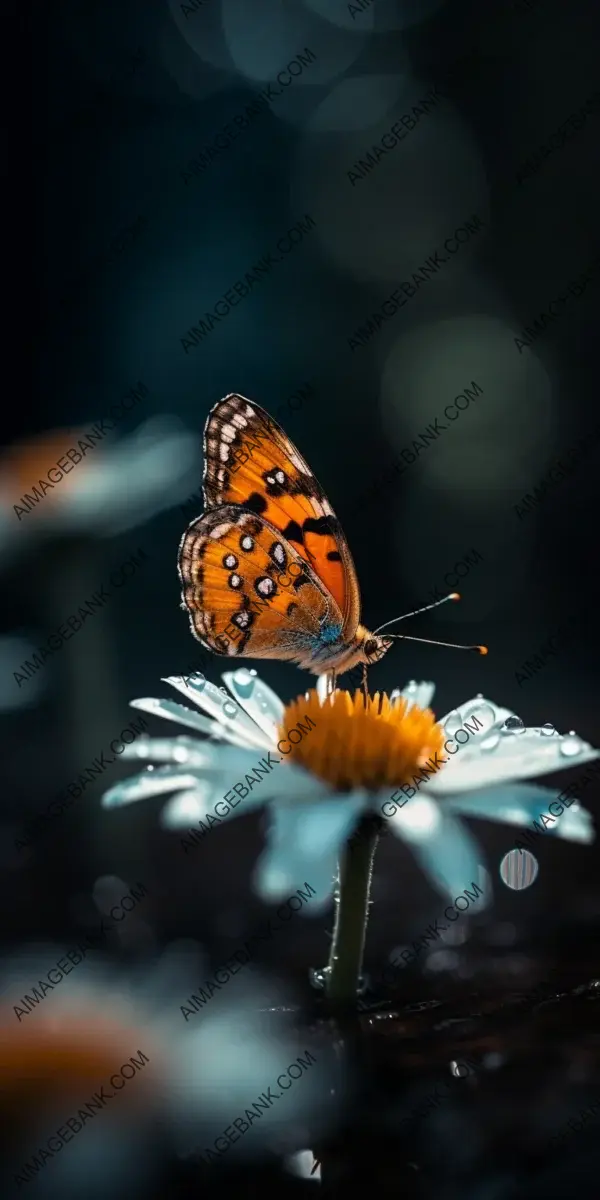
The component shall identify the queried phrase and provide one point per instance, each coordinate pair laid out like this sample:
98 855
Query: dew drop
513 725
180 754
483 712
490 742
318 977
548 730
244 682
150 768
571 745
252 671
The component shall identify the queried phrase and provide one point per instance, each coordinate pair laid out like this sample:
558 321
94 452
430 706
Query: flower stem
352 913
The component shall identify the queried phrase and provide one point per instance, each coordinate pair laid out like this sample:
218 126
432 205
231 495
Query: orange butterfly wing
248 460
248 592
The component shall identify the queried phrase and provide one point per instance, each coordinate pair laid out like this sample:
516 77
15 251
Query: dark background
123 98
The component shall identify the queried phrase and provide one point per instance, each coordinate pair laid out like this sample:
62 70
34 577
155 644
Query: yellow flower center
352 745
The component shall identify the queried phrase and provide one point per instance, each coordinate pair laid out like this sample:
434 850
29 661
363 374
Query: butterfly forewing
248 591
250 461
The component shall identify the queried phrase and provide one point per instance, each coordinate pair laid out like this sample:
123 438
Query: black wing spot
293 532
300 581
334 556
256 503
321 525
291 608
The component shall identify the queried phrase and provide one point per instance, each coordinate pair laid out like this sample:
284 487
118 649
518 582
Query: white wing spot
228 432
242 619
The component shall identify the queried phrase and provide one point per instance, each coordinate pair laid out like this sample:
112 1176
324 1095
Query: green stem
352 913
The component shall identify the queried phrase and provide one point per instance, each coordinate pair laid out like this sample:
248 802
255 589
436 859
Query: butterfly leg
364 683
331 680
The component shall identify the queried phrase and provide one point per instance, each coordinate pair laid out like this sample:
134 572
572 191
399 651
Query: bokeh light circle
519 869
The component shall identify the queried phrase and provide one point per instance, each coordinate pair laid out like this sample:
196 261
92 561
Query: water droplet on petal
548 730
513 725
453 723
483 712
252 671
571 745
150 768
244 682
318 977
180 754
490 742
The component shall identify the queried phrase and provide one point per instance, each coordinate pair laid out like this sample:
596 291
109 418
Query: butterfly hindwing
250 461
247 590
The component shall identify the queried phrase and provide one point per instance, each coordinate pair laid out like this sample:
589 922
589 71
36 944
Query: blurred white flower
114 486
197 1078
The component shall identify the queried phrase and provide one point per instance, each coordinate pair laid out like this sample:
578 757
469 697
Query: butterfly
266 571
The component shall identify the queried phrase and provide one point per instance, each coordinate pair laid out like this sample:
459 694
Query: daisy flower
352 766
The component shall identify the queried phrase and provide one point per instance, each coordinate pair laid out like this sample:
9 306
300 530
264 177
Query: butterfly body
266 571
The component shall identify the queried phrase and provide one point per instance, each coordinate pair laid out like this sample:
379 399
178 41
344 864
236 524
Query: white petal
186 751
443 846
516 756
205 758
322 686
576 825
259 700
303 846
154 781
190 806
172 711
218 706
421 693
522 804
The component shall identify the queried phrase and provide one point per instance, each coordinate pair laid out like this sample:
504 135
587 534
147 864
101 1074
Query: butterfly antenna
430 642
415 613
